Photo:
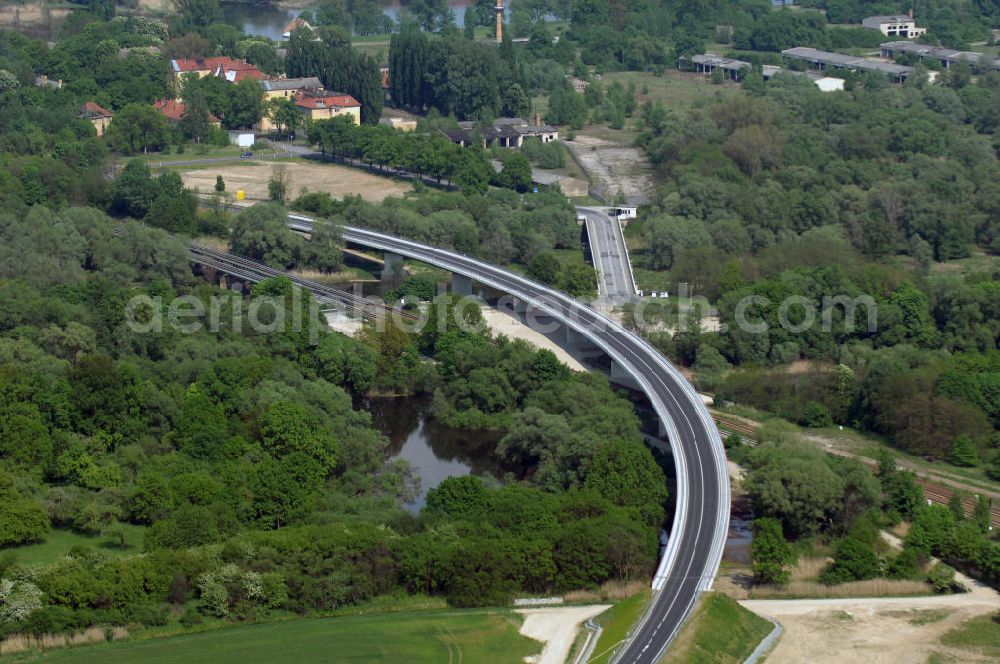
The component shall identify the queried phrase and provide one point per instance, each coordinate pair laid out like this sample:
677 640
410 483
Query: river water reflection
270 21
436 452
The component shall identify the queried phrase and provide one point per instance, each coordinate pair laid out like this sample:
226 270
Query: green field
676 89
980 635
719 631
616 623
432 637
58 543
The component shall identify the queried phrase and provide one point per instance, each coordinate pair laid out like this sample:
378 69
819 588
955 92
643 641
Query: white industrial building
894 25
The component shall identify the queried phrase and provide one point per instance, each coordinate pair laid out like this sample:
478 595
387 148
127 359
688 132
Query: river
270 20
436 452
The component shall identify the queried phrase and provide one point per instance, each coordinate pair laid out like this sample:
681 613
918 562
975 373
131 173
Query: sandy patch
557 628
341 322
858 632
333 179
502 323
161 6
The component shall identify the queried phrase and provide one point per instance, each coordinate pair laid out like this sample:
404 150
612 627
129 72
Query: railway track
255 272
747 433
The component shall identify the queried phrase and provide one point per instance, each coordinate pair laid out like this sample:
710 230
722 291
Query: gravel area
613 167
557 628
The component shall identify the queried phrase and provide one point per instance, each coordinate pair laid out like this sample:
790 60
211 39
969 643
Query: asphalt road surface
607 245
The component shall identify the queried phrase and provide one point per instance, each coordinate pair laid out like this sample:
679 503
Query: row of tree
456 76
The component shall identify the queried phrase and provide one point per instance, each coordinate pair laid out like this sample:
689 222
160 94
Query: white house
894 25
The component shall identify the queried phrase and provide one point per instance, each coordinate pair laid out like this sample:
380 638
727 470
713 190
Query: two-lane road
607 246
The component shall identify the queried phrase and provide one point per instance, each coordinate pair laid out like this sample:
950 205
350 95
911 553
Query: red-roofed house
174 110
230 69
326 105
98 116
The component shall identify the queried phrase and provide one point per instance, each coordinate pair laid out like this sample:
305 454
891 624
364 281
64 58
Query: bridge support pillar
392 270
576 339
223 281
621 377
460 284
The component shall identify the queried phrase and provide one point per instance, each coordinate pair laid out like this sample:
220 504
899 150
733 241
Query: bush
853 561
964 453
191 617
733 441
903 566
148 614
816 415
942 577
18 600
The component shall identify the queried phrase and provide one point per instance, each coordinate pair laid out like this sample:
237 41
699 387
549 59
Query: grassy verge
616 622
719 631
195 152
58 543
428 636
980 635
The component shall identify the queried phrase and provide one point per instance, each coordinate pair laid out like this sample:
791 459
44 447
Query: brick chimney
911 12
499 10
538 119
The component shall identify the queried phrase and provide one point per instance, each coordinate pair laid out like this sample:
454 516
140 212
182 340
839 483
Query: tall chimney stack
499 21
911 12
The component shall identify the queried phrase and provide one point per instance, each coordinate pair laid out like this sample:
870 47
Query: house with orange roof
174 110
97 116
327 105
296 23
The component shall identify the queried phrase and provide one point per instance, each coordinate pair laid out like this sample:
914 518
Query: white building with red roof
230 69
327 105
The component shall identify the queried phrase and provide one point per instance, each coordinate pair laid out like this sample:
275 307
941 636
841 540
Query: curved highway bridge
691 558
